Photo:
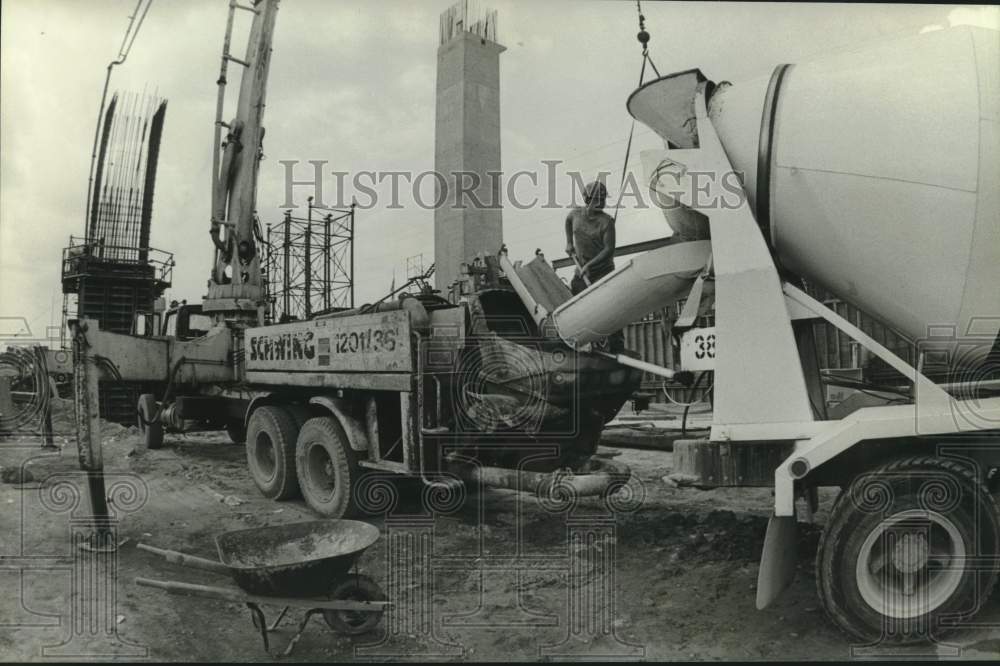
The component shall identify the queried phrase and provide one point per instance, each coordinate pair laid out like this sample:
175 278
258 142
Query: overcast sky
352 82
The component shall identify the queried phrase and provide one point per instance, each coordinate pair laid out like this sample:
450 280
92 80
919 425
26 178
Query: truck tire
271 452
151 431
238 433
327 467
894 562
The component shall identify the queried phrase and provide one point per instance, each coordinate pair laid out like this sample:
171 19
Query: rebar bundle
466 16
122 202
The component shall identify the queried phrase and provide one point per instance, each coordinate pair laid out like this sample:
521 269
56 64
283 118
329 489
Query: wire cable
126 47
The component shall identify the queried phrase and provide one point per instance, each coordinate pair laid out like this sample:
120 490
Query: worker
590 240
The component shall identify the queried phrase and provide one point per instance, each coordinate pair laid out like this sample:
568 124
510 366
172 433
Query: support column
326 260
285 276
467 220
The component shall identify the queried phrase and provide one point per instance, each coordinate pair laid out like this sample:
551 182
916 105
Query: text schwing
376 342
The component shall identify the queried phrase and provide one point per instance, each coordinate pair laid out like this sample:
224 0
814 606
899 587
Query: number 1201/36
371 340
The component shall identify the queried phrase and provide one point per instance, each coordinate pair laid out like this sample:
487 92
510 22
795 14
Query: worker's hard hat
595 190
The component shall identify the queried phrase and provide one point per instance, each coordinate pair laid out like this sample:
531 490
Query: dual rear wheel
292 452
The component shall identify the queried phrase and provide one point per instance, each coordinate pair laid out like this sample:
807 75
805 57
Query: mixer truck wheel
150 427
895 562
271 452
327 467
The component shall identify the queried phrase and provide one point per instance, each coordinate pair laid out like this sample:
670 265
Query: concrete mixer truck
872 174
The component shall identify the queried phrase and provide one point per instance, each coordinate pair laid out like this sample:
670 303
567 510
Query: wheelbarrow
301 565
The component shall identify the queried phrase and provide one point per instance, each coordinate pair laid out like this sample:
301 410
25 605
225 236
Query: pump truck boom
235 287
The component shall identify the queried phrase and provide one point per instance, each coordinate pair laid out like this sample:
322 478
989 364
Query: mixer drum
874 173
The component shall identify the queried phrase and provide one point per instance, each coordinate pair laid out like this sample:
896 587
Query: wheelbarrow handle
192 589
238 596
186 560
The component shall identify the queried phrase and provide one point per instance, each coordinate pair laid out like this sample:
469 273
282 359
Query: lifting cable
643 37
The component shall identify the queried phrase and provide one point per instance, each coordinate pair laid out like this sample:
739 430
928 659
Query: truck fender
258 401
276 399
340 409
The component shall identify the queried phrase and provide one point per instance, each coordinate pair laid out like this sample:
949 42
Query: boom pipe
123 52
235 288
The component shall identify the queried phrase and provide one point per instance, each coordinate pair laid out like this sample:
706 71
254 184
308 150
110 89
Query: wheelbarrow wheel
270 443
355 588
327 467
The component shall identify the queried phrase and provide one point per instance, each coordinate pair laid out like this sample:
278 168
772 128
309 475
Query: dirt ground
497 576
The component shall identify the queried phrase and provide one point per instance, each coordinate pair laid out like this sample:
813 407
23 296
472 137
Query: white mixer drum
885 180
874 173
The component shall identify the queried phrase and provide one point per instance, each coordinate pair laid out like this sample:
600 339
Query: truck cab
180 321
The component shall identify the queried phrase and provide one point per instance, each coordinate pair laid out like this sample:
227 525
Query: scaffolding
309 263
415 266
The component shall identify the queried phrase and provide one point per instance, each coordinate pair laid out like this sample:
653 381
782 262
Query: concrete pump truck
415 386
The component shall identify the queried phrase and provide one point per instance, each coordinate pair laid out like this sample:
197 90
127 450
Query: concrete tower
468 220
